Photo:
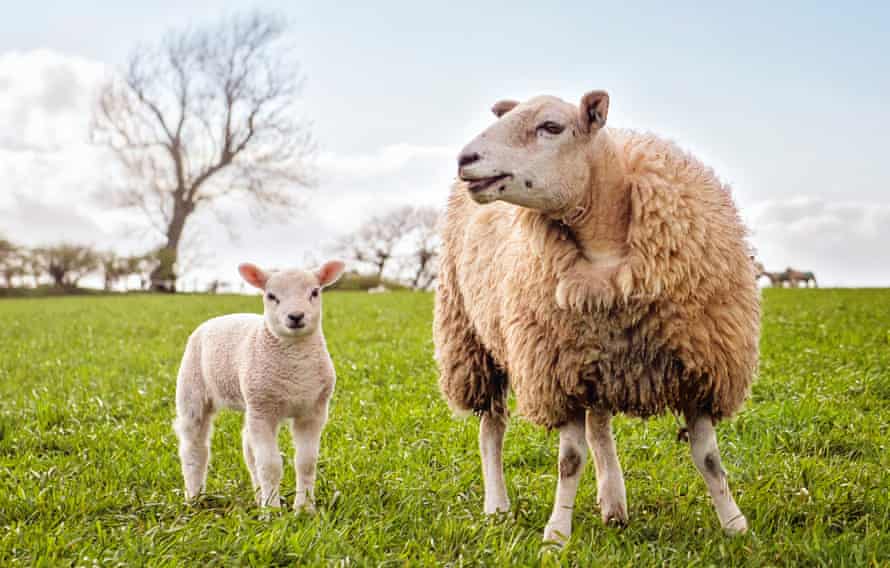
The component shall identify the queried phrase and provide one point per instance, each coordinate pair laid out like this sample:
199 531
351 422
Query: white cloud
46 99
843 242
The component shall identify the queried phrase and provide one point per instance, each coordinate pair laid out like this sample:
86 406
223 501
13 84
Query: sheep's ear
594 110
330 272
501 108
253 275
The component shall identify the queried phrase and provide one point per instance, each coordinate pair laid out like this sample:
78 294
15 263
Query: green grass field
89 472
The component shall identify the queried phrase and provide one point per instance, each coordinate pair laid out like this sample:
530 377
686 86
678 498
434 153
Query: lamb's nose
296 318
467 158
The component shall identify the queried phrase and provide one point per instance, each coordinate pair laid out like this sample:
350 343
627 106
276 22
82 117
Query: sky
787 102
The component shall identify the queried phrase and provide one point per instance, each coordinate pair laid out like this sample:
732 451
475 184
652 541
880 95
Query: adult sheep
592 271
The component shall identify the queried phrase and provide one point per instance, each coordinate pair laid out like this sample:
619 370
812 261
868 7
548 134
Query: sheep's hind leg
706 455
491 447
610 492
572 456
307 438
262 433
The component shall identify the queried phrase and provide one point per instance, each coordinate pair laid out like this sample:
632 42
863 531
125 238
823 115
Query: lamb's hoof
307 508
557 534
270 502
736 526
493 509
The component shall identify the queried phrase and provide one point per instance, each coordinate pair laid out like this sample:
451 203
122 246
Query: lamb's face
292 298
536 155
292 303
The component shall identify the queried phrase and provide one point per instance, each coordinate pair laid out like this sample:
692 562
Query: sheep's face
292 298
537 154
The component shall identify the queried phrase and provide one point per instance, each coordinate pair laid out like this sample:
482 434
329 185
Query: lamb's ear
501 108
253 275
594 110
330 272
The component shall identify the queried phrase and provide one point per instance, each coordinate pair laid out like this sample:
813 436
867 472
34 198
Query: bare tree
375 242
425 242
11 261
114 268
208 113
66 264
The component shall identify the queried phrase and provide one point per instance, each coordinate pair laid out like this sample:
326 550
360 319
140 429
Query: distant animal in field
592 271
797 277
761 272
274 367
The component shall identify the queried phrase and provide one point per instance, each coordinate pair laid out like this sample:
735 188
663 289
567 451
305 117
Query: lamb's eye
314 293
550 127
272 297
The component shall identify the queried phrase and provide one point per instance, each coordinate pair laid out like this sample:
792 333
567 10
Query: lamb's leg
610 492
491 448
262 434
193 427
703 439
194 422
307 438
250 460
572 456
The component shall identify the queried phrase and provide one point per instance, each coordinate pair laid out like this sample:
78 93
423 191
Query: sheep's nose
467 158
295 319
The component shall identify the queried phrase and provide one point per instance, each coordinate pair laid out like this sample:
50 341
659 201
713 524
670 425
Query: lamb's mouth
476 185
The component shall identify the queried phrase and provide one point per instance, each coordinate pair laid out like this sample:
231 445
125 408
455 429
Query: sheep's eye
550 127
272 297
314 293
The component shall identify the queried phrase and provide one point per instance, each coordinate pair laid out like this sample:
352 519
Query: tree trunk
163 277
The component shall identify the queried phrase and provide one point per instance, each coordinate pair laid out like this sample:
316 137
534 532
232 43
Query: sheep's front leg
585 286
491 448
572 456
610 491
307 439
703 439
262 434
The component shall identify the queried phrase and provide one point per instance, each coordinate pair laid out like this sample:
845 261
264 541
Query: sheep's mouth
295 325
478 184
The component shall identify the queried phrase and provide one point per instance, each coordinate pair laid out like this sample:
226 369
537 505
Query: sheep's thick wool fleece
240 360
682 334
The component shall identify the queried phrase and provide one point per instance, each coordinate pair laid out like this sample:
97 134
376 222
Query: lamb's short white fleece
274 367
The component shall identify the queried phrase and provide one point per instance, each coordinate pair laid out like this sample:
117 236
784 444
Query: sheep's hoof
616 517
612 501
737 526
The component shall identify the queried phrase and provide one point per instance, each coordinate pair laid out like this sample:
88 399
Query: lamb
274 367
592 271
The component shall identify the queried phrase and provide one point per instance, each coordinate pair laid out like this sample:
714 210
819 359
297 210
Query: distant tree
207 113
425 244
11 261
375 242
114 268
66 264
